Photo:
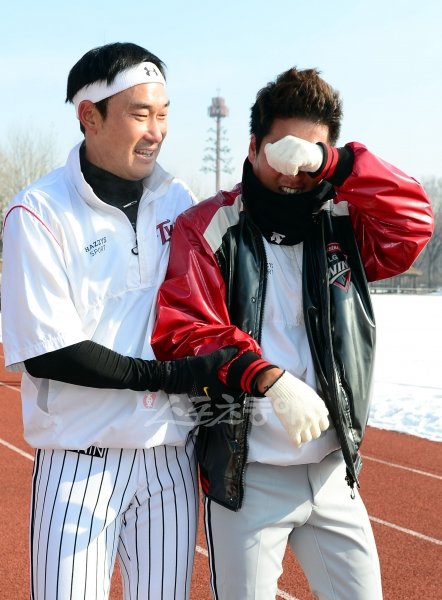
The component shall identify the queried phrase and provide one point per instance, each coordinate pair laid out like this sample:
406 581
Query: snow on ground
408 375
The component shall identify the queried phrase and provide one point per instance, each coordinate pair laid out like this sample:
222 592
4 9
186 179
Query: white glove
299 408
291 154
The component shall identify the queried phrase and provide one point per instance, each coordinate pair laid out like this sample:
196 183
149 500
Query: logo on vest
339 273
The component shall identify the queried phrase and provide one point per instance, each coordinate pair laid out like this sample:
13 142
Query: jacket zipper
351 476
259 243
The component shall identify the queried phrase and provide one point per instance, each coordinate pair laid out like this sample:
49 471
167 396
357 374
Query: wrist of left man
336 166
243 371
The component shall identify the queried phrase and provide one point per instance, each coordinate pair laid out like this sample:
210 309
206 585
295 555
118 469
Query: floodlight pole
218 110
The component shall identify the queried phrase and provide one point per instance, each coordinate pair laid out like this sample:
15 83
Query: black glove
193 375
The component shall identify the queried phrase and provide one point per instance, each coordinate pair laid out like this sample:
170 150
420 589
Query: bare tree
430 261
26 157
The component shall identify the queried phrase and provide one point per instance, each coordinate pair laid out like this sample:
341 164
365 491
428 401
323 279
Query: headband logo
149 71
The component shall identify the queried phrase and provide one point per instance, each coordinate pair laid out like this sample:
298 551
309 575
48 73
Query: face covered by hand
282 219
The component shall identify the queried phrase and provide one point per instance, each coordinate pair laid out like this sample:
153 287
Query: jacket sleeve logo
339 273
165 231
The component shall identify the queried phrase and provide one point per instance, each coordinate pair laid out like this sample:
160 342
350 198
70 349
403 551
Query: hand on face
287 137
291 154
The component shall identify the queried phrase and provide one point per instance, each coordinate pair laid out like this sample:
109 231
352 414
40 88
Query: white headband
145 72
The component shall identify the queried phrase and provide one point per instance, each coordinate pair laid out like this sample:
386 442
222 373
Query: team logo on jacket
149 399
339 273
165 230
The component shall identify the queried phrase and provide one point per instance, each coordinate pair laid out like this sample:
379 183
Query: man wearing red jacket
278 267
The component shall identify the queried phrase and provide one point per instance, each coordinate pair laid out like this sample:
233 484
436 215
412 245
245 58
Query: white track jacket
74 270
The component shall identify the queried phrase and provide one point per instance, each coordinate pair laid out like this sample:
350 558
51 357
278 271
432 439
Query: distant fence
379 289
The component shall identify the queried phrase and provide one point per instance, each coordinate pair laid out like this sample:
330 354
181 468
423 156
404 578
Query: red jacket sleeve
390 213
392 219
192 316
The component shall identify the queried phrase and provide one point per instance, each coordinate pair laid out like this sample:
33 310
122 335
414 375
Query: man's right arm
90 364
192 313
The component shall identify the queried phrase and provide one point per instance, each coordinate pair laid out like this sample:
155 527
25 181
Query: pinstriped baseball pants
89 508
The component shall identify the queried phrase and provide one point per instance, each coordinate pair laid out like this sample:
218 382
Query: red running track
400 483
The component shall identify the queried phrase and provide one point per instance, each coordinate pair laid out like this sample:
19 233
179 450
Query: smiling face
273 180
128 140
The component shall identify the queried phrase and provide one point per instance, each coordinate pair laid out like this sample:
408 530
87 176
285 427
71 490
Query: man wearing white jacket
85 250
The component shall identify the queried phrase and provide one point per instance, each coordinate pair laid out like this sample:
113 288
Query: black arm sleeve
90 364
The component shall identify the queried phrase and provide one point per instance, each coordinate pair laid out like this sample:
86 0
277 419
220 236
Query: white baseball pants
88 508
310 508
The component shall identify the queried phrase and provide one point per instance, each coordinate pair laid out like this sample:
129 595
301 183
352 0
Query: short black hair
103 64
296 93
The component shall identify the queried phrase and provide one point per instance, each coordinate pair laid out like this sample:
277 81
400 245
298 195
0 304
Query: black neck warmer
121 193
281 218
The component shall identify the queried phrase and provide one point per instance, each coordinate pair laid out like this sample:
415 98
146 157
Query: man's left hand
291 154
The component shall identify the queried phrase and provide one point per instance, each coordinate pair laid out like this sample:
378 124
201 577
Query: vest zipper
351 476
263 276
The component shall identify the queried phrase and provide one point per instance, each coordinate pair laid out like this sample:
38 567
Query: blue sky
385 57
